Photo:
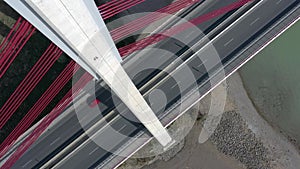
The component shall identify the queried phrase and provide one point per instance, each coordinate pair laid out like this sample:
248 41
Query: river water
272 80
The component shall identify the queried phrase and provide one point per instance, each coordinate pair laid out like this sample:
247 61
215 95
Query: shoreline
282 152
245 140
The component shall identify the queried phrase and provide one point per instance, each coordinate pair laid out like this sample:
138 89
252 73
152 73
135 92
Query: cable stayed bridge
232 10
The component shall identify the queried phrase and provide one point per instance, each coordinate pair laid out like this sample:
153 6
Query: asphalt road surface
89 153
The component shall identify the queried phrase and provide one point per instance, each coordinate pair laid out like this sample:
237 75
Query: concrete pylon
79 26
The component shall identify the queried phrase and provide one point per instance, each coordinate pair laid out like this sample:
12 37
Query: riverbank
243 139
281 152
273 83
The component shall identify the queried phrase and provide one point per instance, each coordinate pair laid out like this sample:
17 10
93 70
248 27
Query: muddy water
272 80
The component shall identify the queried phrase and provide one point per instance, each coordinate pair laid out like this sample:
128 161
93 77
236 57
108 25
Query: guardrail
240 58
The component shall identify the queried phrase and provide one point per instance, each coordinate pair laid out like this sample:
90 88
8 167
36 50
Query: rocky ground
234 138
242 139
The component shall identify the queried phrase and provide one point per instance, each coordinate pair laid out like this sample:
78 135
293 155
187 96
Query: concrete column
80 25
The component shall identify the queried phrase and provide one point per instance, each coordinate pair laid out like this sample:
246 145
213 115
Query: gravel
232 137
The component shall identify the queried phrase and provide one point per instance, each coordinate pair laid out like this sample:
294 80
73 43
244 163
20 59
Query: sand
263 146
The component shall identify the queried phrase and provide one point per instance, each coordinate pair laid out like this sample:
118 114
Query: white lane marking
176 84
178 45
246 13
164 55
54 141
203 62
83 119
107 99
278 2
191 33
23 166
227 43
253 22
225 30
95 149
122 128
